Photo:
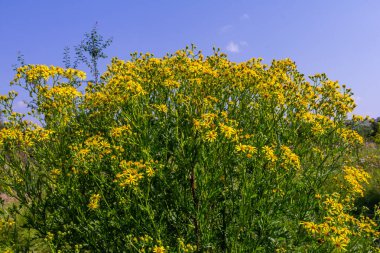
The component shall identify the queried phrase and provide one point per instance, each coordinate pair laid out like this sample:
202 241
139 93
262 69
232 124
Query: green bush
185 153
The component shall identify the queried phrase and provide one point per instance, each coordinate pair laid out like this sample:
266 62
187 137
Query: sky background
340 38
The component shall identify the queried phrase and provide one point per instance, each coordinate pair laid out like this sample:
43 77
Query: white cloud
225 28
243 43
21 105
233 47
245 16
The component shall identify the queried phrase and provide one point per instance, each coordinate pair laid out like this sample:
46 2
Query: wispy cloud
233 47
245 16
243 43
225 28
21 105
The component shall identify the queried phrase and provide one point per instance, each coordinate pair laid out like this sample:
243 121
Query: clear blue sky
340 38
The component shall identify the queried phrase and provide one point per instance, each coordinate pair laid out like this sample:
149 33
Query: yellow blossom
211 136
269 154
339 243
159 249
94 201
227 130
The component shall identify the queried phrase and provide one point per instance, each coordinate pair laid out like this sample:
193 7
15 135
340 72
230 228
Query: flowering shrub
185 153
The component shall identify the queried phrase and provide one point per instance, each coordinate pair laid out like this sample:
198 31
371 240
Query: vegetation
88 52
185 153
366 127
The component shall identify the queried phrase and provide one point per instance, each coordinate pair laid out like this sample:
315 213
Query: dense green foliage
186 153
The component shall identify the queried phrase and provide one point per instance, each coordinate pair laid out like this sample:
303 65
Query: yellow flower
159 249
119 131
289 159
324 229
55 172
311 227
227 130
133 172
161 108
150 172
208 117
94 201
197 124
240 147
340 243
246 148
269 154
211 136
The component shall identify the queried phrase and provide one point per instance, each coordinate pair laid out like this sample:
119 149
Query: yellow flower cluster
357 118
6 223
59 101
289 159
247 149
269 154
62 91
228 131
55 173
118 132
320 124
93 149
161 108
340 227
26 137
124 80
133 172
208 120
355 177
34 73
186 248
146 243
211 135
94 201
266 112
350 136
211 125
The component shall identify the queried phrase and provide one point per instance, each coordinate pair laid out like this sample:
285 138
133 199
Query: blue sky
339 38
